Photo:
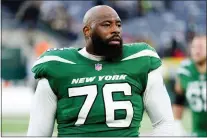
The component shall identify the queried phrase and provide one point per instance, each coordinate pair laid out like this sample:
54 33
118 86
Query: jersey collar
84 53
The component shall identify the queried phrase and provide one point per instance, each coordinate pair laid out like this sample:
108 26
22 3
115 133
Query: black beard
102 47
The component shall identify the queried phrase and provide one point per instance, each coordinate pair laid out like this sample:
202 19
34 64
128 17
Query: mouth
115 41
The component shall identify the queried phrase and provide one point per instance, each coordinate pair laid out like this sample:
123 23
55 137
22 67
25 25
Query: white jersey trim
183 71
141 54
84 53
52 58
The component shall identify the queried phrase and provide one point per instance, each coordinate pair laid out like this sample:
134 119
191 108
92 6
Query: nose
116 30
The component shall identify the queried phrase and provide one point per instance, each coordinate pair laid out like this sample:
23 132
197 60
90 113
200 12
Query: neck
201 67
89 47
86 54
90 50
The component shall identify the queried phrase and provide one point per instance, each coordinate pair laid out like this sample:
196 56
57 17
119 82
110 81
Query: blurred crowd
31 27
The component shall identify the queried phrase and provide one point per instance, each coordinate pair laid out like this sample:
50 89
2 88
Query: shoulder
186 62
139 46
184 66
55 54
58 51
139 50
50 58
136 51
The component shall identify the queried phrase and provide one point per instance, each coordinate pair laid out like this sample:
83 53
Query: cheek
197 54
103 33
194 52
204 49
203 52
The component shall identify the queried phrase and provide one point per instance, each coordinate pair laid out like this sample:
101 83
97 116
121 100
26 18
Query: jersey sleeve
155 61
48 62
183 72
137 50
149 51
39 67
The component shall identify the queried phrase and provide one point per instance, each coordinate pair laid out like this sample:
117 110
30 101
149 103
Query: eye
106 25
119 25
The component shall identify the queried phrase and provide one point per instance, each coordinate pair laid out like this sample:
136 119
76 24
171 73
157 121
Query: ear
87 31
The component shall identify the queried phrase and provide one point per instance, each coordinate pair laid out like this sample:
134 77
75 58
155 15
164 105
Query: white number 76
110 105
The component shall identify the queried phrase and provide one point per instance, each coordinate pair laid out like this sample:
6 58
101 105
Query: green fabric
75 80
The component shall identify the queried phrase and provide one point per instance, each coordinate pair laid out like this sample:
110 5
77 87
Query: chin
113 57
200 61
115 45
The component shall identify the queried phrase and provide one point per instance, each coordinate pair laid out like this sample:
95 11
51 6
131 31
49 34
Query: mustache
115 37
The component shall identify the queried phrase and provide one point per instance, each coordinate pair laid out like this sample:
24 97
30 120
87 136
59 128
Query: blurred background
31 27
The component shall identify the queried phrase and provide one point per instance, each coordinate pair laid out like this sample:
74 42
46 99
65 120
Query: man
191 85
100 90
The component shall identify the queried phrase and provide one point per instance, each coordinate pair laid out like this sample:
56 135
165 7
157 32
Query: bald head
97 13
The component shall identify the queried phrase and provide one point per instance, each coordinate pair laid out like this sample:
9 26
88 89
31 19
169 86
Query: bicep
156 99
43 110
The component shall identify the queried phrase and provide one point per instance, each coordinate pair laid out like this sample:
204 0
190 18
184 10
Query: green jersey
194 85
98 98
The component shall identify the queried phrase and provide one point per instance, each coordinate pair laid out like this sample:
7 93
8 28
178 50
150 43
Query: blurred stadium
31 27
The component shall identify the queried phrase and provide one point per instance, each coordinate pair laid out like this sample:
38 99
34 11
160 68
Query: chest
99 74
105 92
196 95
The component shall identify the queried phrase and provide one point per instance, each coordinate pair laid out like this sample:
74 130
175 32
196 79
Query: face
198 49
106 37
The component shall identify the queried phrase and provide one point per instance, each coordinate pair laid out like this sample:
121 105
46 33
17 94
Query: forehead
199 41
107 17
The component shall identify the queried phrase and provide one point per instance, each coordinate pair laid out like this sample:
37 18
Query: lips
115 40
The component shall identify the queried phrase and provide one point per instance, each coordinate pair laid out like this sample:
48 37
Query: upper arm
43 110
180 84
156 99
182 74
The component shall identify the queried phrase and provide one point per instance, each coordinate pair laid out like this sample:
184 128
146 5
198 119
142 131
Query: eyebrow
117 21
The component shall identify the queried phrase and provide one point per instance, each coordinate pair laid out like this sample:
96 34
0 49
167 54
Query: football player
191 86
100 90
